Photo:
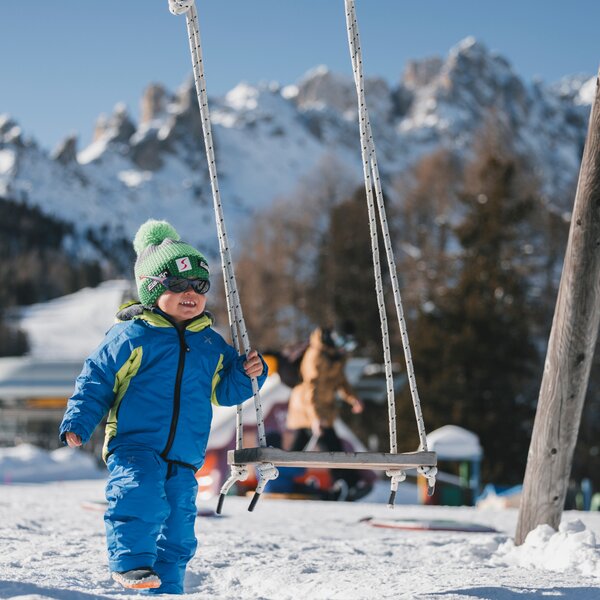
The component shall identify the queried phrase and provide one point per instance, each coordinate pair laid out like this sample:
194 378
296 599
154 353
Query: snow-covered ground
53 547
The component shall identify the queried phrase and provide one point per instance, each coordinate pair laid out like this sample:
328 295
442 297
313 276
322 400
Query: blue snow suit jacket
158 383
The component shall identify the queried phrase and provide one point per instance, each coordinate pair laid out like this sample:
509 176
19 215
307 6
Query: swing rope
265 469
371 174
237 324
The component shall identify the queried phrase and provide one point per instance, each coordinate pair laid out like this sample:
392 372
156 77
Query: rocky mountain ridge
268 137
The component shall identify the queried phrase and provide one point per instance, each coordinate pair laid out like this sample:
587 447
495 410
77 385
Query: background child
313 406
156 374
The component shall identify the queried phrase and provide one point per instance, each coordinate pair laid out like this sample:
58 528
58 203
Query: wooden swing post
570 351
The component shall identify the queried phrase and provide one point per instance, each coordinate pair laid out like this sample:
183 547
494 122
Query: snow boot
137 579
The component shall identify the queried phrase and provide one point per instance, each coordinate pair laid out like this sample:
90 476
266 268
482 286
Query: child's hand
73 440
253 365
357 406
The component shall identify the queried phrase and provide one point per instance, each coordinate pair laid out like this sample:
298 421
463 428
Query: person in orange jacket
313 406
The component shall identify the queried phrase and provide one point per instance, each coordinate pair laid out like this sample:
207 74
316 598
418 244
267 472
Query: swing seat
377 461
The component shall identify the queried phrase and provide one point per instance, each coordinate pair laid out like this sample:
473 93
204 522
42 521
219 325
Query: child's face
182 306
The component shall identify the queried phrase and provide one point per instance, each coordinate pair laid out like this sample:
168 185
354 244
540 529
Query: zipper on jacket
183 348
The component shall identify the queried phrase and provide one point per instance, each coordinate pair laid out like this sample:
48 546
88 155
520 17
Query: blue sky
64 62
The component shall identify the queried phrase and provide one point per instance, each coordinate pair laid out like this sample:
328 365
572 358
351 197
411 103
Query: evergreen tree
344 286
473 351
34 266
586 458
424 236
13 342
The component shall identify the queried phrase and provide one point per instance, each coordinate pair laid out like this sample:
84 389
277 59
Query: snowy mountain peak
587 92
66 151
153 104
267 138
10 131
319 88
243 97
420 73
116 127
472 60
471 51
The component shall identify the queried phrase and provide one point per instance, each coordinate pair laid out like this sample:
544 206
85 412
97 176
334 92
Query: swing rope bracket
265 472
429 473
238 473
397 476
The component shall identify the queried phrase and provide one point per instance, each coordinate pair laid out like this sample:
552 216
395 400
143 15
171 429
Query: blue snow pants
150 516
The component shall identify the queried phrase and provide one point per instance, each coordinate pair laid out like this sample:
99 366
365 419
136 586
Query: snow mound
71 326
572 548
29 464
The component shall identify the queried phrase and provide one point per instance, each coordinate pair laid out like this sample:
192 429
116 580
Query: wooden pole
570 351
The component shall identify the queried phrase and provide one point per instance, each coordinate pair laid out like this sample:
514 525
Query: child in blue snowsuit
156 374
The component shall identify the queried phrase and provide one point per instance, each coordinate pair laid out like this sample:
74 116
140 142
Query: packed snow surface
53 547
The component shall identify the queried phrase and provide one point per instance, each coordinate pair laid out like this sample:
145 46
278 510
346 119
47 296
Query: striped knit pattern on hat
160 253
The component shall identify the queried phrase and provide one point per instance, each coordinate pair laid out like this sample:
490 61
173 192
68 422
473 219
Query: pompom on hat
160 253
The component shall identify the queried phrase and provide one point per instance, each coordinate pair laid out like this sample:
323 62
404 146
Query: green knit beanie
160 253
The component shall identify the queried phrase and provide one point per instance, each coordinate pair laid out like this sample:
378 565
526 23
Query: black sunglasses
181 284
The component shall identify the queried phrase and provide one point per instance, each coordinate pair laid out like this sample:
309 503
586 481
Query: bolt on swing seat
266 458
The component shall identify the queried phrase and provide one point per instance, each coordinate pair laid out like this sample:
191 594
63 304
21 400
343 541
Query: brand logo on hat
184 264
153 282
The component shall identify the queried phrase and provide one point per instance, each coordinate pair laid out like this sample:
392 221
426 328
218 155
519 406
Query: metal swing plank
332 460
